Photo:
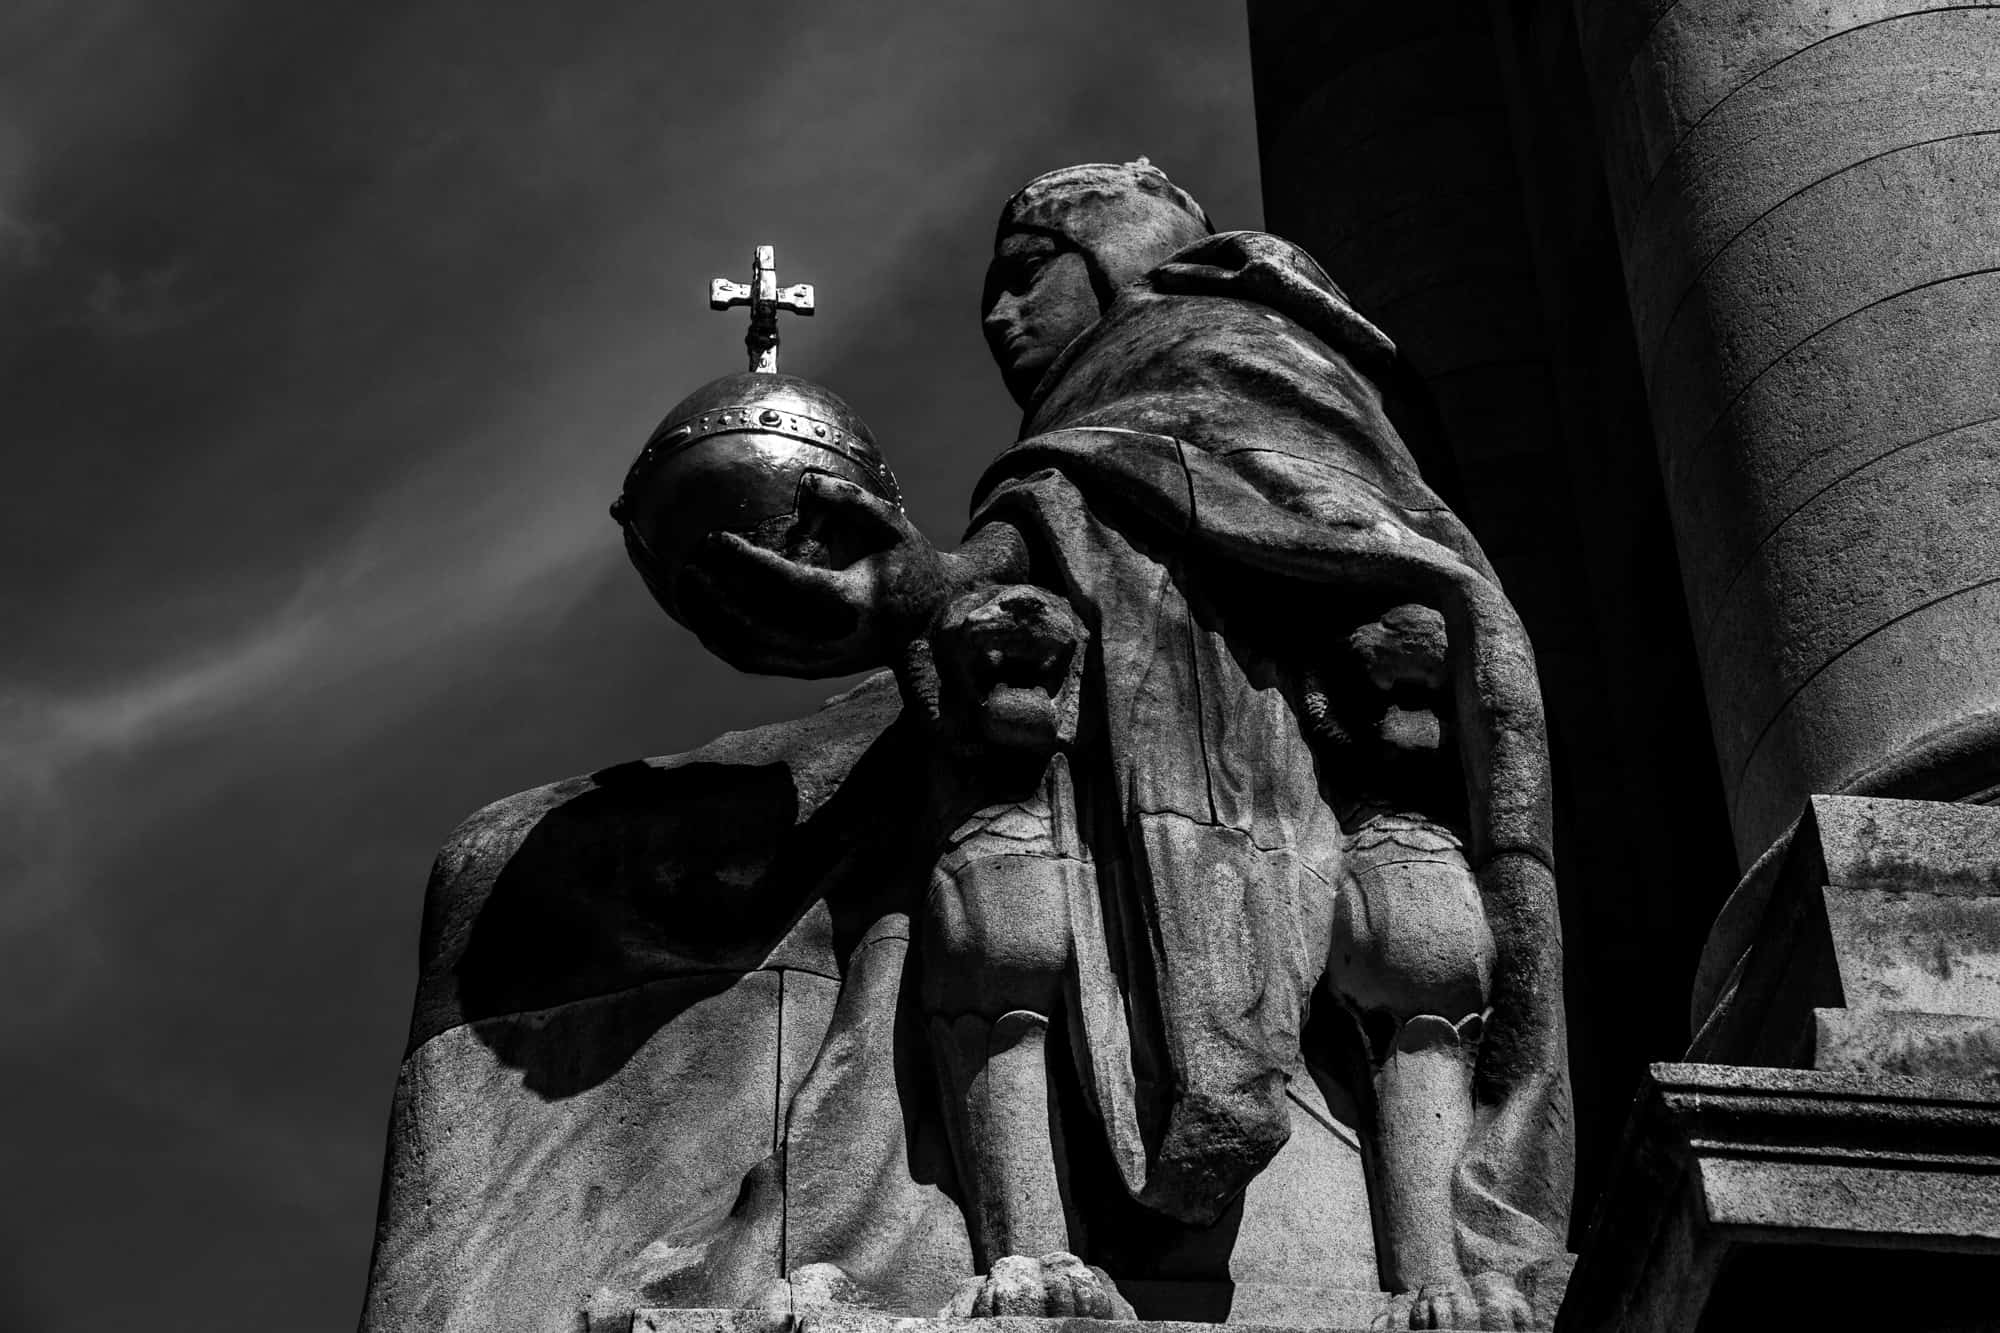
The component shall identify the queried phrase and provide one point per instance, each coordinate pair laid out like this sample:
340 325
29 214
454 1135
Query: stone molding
1871 945
1720 1163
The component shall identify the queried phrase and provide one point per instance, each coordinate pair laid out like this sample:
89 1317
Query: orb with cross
734 455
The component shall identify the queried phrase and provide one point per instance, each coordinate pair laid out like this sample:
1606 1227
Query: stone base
1271 1304
1764 1198
1162 1306
1247 1306
1873 946
854 1321
1264 1307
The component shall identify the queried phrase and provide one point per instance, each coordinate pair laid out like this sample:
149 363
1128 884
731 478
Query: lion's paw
1055 1284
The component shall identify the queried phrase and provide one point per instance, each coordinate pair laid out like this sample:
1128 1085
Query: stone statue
1208 801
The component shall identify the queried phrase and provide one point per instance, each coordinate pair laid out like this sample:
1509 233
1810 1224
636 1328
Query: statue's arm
994 553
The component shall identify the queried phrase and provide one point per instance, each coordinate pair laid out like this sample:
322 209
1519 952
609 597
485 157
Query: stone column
1807 194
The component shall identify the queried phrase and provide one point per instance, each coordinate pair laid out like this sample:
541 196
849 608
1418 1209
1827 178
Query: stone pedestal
1843 1166
1767 1198
1803 197
1872 946
1339 1319
1342 1316
1244 1307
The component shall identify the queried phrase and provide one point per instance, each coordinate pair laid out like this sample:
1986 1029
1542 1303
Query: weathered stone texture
1324 1310
1835 418
1907 1044
1926 952
865 1321
1805 198
635 1021
1729 1176
1873 945
658 1320
507 1220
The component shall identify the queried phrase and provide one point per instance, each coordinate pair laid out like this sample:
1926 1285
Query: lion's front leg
996 943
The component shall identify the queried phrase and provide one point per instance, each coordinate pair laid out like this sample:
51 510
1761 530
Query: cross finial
765 299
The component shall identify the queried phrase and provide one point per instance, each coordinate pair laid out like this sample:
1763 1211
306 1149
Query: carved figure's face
1009 662
1039 298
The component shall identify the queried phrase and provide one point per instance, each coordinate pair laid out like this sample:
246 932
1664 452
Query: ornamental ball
731 457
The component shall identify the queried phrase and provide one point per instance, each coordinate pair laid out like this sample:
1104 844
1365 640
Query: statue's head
1068 242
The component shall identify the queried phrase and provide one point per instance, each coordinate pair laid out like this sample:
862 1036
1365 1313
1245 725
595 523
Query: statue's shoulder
488 837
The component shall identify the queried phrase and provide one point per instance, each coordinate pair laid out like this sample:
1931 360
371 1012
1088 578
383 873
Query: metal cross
765 300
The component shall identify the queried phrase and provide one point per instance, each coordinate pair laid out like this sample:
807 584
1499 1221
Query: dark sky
330 331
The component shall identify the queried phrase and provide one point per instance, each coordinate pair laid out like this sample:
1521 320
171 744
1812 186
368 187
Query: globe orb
731 457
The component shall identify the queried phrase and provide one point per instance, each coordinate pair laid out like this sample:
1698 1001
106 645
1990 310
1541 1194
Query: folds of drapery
1214 444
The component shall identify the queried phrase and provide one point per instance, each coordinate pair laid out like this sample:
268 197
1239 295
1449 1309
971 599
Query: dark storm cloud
330 332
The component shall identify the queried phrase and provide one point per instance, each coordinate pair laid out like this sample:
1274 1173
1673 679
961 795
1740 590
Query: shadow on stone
652 872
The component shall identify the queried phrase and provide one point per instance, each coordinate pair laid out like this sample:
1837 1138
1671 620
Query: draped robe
721 939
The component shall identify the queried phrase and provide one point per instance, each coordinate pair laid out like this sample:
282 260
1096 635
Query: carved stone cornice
1724 1167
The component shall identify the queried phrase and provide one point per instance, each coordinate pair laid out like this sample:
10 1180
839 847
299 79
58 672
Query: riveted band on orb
768 421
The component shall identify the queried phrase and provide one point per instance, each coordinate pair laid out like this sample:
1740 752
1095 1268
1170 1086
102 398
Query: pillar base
1872 944
1839 1163
1779 1198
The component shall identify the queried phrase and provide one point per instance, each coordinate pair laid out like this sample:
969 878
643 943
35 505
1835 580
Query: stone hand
763 611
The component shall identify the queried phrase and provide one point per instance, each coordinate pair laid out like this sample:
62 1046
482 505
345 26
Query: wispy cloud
45 732
24 243
369 638
387 590
151 301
